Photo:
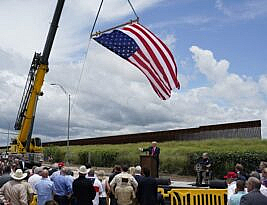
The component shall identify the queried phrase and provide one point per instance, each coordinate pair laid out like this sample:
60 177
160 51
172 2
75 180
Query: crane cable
93 28
88 45
97 15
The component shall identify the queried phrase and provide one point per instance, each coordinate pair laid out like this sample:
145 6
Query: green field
176 157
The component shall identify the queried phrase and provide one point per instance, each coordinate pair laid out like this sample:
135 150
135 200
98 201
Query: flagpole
110 29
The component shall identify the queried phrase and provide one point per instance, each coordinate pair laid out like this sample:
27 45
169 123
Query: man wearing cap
14 192
83 190
56 173
153 151
231 182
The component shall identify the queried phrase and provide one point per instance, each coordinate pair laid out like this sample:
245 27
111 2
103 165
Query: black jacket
253 198
83 191
150 151
147 191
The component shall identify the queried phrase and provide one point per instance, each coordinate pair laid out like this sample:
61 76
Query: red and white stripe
154 59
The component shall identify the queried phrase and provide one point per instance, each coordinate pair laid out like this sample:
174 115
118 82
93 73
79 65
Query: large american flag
143 49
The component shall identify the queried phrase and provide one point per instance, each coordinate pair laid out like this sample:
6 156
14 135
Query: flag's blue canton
119 43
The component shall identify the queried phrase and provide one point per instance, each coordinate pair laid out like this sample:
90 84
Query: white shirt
33 180
263 190
98 188
104 193
231 189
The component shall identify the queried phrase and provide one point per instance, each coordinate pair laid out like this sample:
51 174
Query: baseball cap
231 175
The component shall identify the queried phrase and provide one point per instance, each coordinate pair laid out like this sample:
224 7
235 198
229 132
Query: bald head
63 171
45 173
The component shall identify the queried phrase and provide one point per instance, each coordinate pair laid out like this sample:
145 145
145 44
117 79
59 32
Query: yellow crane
24 144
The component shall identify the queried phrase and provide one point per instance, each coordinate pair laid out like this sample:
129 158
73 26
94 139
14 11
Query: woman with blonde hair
103 197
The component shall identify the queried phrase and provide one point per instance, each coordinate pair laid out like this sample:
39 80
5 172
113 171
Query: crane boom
26 113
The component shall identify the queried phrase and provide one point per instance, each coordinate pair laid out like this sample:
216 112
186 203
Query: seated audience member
264 176
263 188
254 196
241 175
239 192
261 167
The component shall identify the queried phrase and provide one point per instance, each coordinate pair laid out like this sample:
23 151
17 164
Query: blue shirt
235 198
63 185
45 189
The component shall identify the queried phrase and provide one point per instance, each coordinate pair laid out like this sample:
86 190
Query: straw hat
83 170
18 175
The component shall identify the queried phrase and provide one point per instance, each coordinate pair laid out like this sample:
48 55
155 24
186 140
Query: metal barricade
195 196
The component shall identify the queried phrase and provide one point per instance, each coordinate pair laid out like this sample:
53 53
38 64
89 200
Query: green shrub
224 162
98 158
177 157
56 153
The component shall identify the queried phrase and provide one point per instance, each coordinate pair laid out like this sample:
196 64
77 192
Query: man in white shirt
35 178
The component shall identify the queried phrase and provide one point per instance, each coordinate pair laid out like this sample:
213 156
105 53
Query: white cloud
263 83
113 96
215 71
242 10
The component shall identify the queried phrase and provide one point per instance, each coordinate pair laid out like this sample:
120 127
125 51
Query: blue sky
219 46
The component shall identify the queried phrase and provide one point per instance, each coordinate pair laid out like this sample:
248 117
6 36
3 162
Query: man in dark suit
254 196
22 164
147 189
153 151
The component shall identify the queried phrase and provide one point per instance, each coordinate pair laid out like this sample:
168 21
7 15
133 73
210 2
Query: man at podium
153 151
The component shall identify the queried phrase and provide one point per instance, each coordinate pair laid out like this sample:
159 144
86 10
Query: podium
150 163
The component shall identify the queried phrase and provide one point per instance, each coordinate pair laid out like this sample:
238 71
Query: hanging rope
89 42
100 32
96 18
133 9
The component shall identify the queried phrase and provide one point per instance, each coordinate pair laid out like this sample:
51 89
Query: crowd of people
247 189
61 186
124 186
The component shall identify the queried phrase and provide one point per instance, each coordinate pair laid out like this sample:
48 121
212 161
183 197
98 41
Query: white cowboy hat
18 175
83 170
